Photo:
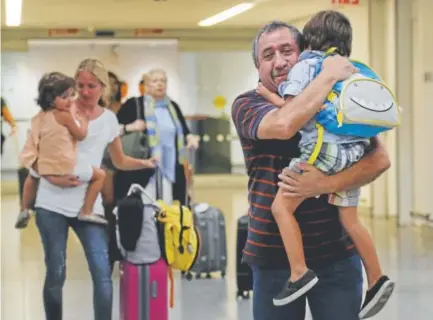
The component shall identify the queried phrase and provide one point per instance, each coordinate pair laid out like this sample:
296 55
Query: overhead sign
63 32
352 2
142 32
105 33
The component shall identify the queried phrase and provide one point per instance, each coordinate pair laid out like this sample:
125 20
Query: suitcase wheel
189 276
244 294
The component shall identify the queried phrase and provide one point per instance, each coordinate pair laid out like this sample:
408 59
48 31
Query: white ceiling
178 19
157 14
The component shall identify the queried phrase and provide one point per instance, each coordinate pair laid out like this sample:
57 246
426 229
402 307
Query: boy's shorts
334 158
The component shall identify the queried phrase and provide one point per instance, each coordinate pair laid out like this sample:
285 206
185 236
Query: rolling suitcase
244 276
213 251
143 291
144 287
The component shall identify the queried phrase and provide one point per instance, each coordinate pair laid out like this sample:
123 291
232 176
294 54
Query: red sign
146 32
352 2
62 32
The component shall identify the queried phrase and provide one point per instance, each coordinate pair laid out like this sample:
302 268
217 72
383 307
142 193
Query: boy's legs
301 279
283 210
380 287
363 243
95 186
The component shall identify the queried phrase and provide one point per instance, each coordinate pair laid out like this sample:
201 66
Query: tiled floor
406 253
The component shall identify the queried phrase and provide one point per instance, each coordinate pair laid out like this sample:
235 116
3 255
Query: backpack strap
319 142
330 52
332 95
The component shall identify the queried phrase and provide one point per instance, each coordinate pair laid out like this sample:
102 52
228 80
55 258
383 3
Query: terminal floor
406 254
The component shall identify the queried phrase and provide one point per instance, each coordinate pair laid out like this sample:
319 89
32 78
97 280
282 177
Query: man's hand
66 181
312 182
338 67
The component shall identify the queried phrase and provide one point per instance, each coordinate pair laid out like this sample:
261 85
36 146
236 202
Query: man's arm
368 169
313 182
285 122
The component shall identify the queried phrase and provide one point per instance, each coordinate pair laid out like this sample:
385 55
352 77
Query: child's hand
262 90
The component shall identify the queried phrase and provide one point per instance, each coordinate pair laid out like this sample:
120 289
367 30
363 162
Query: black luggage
244 275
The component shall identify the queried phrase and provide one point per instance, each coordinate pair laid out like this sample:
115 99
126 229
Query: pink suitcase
144 291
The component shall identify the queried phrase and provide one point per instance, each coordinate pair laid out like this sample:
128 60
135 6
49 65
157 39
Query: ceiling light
13 12
226 14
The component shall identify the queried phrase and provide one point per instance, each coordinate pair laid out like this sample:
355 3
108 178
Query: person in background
143 84
123 91
6 116
113 104
165 125
115 97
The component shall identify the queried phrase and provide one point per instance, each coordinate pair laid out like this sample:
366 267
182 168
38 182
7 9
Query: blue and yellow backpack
361 105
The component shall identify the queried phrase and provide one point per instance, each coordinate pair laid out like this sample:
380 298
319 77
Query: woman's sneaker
23 219
377 297
295 290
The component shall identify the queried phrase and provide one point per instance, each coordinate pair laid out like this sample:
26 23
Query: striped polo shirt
325 241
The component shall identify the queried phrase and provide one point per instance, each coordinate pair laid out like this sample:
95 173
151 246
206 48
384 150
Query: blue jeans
337 295
53 228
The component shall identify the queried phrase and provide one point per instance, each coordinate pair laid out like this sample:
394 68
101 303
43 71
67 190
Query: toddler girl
51 147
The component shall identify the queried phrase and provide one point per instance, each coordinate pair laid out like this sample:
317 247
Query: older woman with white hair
168 135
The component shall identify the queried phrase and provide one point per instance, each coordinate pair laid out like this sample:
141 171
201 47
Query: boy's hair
329 29
51 86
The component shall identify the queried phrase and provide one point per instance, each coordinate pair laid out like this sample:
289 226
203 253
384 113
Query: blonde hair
97 68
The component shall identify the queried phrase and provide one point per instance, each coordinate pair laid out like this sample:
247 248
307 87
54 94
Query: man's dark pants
337 295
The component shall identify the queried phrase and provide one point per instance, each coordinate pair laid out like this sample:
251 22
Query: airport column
382 53
404 90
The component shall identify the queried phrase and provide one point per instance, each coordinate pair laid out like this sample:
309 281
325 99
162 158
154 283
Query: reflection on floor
406 253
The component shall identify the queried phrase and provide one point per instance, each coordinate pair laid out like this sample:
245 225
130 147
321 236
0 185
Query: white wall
226 74
422 106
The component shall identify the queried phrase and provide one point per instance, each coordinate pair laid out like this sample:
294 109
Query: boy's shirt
297 80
